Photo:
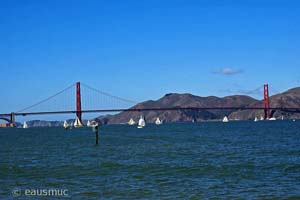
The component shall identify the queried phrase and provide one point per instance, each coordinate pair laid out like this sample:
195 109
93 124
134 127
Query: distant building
6 125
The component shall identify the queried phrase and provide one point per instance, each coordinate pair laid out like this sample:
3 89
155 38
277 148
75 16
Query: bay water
209 160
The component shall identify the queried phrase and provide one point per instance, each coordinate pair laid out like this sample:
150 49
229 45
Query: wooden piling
95 130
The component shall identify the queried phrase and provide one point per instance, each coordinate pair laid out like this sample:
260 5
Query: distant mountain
44 123
186 100
290 98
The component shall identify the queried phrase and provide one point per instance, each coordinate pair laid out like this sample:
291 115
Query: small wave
292 168
110 165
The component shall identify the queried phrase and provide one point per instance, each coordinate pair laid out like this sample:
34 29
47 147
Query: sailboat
25 124
225 119
131 122
66 125
77 123
158 121
88 124
255 119
142 122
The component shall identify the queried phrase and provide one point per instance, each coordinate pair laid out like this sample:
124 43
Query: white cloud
227 71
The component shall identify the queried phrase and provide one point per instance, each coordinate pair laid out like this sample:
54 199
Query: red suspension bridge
91 100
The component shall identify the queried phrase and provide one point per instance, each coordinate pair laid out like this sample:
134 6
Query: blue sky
143 49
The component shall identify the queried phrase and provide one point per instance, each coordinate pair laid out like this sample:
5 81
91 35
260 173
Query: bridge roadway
285 109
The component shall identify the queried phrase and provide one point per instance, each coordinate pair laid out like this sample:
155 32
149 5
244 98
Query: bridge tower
78 101
266 101
12 119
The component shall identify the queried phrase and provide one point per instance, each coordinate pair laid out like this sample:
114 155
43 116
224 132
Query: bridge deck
286 109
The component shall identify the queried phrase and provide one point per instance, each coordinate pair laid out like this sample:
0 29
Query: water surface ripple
236 160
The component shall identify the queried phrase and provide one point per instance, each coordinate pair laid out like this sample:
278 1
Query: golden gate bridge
107 103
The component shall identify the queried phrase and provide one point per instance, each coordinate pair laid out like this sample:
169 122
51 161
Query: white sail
77 123
66 125
88 124
25 124
142 122
225 119
255 119
158 121
131 122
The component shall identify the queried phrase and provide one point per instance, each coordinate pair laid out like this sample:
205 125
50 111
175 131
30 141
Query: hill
187 100
290 98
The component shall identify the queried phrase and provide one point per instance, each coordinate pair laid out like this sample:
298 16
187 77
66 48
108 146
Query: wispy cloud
257 91
238 89
227 71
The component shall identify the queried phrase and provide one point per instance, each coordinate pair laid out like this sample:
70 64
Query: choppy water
238 160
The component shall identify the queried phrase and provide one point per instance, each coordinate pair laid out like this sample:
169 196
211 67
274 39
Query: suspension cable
47 99
109 95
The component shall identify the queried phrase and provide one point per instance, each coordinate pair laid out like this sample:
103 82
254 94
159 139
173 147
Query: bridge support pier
12 119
